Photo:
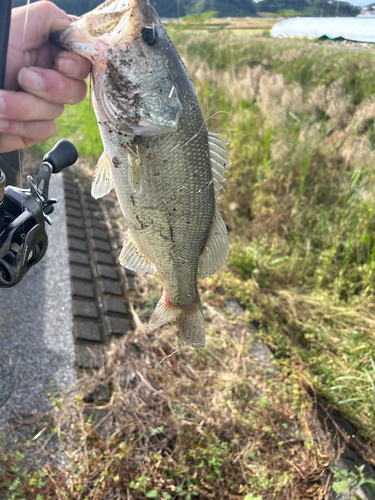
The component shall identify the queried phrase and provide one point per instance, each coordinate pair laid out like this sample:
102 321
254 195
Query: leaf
251 497
153 494
166 495
341 487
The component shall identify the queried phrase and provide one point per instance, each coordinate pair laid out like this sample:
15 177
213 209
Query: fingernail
3 106
66 66
30 79
4 124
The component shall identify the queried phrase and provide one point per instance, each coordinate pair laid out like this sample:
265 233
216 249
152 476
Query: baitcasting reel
23 213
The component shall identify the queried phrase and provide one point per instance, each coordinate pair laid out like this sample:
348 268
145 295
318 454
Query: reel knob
61 156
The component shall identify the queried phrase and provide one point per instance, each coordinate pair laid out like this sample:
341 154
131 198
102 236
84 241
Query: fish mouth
114 23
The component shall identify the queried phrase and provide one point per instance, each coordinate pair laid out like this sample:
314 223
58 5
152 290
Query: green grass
78 124
303 221
299 204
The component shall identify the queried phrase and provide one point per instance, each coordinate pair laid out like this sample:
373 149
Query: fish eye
150 36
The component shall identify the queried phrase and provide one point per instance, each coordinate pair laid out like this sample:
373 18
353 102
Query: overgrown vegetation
201 424
299 201
299 205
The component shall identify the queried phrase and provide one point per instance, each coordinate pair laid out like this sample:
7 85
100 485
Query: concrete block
81 258
107 272
87 330
89 356
110 287
81 289
85 309
75 244
103 246
116 306
118 326
79 272
104 258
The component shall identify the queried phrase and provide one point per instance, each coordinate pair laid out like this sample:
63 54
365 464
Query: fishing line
20 166
26 19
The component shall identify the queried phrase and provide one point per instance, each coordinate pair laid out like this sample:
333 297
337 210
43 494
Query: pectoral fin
133 258
216 251
134 173
102 182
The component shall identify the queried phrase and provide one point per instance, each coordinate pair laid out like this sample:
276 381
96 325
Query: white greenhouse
357 29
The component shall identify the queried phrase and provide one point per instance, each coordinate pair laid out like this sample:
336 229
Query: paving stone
110 287
79 272
132 284
89 356
75 244
91 204
118 326
79 258
87 330
99 234
75 222
72 203
100 224
76 232
82 289
73 212
116 306
107 272
104 258
85 309
101 394
71 187
101 245
71 198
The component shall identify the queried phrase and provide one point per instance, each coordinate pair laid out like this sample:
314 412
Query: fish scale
166 167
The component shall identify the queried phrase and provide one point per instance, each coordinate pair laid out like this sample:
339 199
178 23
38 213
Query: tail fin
190 323
191 326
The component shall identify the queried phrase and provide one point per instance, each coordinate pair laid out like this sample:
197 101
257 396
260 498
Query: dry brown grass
220 423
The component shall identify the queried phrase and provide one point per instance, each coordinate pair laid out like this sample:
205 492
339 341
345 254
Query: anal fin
133 258
216 250
163 314
102 182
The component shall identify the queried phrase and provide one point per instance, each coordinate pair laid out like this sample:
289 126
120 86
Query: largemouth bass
166 167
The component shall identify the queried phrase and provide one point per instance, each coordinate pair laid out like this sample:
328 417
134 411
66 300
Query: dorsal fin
219 160
102 182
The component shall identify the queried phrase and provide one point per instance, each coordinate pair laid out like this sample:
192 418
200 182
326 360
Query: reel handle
61 156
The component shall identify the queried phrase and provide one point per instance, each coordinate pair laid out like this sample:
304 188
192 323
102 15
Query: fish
166 167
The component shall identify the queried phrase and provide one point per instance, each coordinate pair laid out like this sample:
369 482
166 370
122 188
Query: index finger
43 18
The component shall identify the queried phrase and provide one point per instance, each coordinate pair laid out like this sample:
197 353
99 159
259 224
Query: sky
360 3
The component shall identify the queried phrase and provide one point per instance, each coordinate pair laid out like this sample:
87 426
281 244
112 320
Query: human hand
39 77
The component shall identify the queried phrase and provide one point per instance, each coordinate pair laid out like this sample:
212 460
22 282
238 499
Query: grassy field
299 205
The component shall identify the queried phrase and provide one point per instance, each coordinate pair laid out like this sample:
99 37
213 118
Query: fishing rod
24 212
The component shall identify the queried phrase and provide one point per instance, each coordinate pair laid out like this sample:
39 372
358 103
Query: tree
224 8
310 8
